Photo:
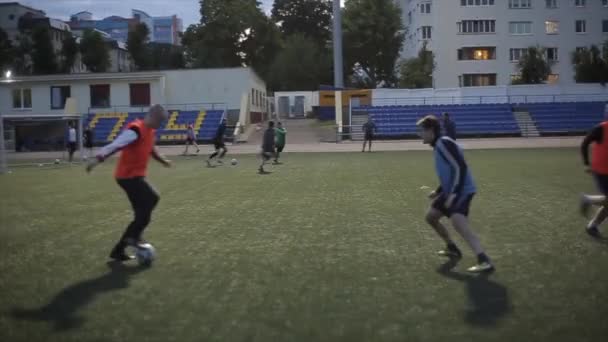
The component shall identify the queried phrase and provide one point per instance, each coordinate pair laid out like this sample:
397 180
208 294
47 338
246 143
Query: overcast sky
188 10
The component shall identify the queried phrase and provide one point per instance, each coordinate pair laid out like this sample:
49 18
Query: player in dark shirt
369 129
449 127
267 146
88 141
218 142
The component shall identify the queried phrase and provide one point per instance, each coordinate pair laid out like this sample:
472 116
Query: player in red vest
599 168
137 144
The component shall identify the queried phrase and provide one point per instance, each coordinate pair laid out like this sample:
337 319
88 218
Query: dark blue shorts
602 183
460 205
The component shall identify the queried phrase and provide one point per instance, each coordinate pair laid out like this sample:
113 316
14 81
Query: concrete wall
498 94
212 85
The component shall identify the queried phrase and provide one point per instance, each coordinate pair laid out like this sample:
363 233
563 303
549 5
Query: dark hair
430 122
446 114
270 124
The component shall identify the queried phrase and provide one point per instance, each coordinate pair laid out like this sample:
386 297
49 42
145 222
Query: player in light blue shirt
454 195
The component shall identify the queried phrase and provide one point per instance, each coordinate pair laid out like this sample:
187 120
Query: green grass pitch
329 247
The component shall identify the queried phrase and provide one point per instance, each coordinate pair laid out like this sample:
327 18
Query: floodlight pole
80 136
337 40
3 167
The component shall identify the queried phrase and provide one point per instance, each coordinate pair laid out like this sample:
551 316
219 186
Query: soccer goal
35 140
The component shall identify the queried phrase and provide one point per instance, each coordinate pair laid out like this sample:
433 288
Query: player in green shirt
280 132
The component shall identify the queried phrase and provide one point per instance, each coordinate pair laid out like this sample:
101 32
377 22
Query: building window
552 55
552 27
139 94
516 54
476 2
477 53
551 3
477 80
553 79
11 17
58 96
605 26
426 32
476 26
519 4
520 27
580 3
605 3
100 96
581 26
22 98
425 7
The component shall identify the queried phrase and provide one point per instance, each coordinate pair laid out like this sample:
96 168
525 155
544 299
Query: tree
23 52
591 64
373 37
417 72
137 45
43 53
69 50
165 56
300 65
260 45
533 66
7 51
310 18
94 51
224 26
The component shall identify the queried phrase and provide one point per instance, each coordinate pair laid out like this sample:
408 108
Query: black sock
482 257
452 247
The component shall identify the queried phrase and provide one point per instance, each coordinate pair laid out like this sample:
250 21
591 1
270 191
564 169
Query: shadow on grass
488 300
62 311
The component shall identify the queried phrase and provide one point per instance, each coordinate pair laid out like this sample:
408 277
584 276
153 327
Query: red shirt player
137 144
599 168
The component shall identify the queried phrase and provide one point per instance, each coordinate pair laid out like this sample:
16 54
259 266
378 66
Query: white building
478 42
10 12
94 93
108 92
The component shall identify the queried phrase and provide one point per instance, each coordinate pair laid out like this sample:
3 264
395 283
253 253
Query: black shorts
602 183
88 145
219 144
72 147
189 140
369 137
461 205
267 155
280 148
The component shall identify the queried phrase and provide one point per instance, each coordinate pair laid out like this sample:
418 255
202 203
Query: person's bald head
156 115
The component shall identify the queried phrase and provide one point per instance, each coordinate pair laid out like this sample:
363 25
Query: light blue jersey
452 169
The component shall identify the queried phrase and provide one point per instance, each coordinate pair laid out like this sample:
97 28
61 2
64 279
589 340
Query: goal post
48 133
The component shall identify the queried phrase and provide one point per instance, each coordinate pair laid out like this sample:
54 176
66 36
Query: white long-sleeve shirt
124 139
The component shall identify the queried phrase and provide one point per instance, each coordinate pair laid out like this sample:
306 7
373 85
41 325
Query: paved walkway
393 145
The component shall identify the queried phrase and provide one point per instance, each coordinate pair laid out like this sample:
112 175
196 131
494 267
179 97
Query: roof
18 4
86 77
139 75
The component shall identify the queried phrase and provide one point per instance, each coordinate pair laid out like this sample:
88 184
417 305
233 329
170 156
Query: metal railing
170 107
487 99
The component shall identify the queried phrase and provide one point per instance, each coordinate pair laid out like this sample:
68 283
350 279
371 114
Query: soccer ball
234 161
145 254
57 161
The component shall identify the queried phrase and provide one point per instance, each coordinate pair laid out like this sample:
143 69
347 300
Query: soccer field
329 247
